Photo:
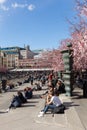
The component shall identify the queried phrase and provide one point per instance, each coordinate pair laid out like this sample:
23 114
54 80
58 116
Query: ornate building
11 55
17 57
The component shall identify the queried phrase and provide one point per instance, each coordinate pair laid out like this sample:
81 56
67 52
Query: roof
37 51
11 48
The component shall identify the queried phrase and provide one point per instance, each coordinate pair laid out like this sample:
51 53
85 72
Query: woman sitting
54 102
16 102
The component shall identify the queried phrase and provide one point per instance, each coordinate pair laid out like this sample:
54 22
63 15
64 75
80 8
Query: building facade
10 56
17 57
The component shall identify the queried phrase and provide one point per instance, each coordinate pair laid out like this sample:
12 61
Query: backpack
59 110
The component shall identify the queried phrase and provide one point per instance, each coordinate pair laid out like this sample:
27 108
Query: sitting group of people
52 100
37 86
20 98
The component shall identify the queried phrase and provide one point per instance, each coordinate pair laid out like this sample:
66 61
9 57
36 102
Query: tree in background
78 39
79 36
57 62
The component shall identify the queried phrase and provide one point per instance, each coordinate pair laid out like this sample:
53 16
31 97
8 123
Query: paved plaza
26 117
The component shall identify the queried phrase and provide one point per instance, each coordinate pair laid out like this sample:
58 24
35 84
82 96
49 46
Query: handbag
58 110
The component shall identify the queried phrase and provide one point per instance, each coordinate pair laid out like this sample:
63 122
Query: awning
36 69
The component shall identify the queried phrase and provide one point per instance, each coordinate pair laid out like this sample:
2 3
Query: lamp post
67 74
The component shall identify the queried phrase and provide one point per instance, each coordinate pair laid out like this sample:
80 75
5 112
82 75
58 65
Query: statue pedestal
67 75
68 82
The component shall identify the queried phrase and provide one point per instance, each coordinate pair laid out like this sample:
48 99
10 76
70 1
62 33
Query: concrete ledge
73 120
58 119
69 120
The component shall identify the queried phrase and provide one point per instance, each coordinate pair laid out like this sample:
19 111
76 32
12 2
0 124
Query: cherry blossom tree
52 59
57 63
82 7
78 39
45 59
78 36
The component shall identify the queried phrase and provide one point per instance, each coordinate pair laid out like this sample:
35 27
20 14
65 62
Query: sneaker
41 114
7 110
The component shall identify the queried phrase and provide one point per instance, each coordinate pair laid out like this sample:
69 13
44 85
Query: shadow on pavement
70 104
2 112
32 101
28 105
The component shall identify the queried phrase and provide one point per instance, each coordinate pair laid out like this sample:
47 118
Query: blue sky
41 24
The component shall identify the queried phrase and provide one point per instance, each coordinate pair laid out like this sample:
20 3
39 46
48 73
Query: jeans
48 107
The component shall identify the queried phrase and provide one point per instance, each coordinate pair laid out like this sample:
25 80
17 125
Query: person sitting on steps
16 102
54 102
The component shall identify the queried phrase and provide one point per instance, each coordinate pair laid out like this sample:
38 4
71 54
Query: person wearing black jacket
22 98
60 87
